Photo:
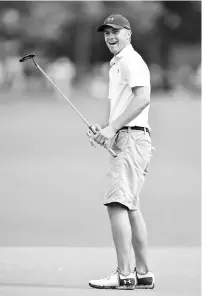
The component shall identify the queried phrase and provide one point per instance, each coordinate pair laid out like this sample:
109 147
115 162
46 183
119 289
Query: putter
31 56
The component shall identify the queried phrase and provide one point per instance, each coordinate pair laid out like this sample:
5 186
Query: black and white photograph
100 155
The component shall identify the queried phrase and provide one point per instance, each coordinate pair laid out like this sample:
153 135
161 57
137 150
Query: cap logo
110 19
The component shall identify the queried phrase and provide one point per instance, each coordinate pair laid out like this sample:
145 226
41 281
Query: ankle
142 270
124 272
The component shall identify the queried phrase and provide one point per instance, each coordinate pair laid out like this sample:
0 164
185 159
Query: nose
111 35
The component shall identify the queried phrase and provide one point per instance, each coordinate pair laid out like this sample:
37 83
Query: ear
129 34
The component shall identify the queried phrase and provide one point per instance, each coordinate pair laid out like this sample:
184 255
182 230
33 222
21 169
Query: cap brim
103 27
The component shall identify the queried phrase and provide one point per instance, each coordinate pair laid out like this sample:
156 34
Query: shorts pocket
120 141
144 148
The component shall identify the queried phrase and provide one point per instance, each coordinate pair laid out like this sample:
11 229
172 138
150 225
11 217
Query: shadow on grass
44 285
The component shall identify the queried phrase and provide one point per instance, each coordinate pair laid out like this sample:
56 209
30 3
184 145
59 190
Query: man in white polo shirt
127 130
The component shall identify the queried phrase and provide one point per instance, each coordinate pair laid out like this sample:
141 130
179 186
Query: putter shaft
31 56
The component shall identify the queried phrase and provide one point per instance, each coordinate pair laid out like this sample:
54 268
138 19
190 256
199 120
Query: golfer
127 130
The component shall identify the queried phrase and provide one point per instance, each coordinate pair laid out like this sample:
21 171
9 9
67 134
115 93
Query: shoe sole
145 287
112 287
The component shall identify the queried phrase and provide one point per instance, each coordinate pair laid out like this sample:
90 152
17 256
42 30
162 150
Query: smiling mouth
112 43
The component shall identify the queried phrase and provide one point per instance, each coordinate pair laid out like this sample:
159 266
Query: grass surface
52 185
67 271
53 181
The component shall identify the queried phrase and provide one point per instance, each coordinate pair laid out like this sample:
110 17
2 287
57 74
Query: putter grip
105 146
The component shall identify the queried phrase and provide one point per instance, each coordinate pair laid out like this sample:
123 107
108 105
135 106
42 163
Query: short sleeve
137 72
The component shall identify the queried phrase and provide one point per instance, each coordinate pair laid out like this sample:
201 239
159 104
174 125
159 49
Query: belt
139 128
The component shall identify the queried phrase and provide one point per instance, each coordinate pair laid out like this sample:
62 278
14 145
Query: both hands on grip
100 136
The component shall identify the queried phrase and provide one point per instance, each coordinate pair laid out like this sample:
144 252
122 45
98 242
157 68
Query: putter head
27 57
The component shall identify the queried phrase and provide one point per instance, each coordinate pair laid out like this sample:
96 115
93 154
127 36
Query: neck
122 49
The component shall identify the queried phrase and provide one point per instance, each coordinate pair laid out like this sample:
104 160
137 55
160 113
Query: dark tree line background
68 28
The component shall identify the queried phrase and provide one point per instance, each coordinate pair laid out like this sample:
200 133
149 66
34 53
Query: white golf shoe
146 281
115 281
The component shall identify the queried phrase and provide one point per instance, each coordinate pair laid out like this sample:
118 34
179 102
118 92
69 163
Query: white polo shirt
127 70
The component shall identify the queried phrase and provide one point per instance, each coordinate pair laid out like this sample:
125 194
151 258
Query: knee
136 216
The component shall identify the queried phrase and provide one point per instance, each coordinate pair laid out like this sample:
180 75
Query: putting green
53 181
67 271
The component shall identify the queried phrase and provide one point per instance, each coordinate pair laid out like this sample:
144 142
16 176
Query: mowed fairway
53 181
67 271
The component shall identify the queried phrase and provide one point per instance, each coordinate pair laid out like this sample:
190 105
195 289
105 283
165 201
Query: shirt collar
122 53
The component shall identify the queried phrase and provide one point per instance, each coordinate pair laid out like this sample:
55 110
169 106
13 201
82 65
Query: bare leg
139 240
122 236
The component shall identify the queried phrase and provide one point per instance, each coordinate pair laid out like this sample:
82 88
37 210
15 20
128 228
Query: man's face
116 39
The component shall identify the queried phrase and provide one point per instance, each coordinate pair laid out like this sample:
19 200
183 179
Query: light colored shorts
128 170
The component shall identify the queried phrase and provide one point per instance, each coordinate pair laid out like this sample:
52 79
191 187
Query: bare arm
140 100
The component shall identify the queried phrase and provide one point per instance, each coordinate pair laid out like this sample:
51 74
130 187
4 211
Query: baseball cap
116 21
